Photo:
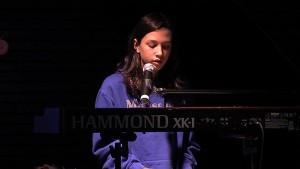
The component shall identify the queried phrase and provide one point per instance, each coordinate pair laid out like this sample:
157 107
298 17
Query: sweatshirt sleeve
192 149
101 145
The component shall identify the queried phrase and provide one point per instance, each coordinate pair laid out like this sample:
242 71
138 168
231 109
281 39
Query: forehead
160 35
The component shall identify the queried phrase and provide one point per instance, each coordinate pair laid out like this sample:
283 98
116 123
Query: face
155 48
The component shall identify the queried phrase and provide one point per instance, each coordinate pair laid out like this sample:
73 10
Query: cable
262 144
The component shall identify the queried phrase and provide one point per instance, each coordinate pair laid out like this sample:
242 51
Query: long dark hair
131 66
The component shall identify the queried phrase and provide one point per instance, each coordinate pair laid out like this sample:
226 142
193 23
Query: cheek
146 56
165 60
166 57
145 59
163 63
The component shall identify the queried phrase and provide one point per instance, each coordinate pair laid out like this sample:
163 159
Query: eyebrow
157 41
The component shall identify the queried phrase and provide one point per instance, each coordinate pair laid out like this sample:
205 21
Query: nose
159 51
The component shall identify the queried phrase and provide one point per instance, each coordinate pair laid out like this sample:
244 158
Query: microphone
148 70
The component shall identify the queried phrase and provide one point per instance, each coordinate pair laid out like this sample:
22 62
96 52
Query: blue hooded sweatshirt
155 150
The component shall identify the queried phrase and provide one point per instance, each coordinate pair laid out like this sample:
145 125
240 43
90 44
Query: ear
136 45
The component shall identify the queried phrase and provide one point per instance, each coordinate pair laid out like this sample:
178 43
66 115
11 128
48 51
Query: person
151 41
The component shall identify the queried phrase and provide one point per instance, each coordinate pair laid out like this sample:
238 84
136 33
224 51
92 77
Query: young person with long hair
151 41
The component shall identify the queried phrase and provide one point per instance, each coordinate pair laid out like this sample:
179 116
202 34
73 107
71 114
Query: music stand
121 148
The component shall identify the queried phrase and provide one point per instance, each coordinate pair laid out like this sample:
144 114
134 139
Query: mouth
157 63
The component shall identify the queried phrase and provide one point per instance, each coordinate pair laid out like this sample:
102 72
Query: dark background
60 52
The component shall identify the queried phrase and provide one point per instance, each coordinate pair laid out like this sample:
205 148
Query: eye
152 44
167 47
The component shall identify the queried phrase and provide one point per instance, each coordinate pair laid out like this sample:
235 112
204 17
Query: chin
158 66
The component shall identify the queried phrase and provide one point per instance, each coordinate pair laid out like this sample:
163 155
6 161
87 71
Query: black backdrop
60 51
